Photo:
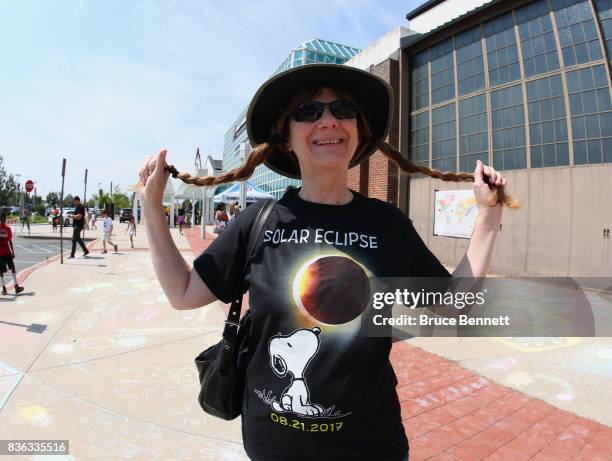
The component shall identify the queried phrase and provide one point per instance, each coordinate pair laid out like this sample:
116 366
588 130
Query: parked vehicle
65 216
125 214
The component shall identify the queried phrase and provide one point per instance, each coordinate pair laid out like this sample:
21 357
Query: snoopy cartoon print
290 355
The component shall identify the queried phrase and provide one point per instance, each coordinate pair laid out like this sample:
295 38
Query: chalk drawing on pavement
538 344
37 415
98 343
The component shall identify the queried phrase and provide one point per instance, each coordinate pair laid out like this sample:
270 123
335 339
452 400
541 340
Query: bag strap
233 316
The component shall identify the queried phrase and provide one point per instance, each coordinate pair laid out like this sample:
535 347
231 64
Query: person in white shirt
107 228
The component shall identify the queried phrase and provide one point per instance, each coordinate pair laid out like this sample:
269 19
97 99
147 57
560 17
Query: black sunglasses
313 110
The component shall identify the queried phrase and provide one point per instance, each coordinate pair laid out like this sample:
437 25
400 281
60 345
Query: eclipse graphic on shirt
332 289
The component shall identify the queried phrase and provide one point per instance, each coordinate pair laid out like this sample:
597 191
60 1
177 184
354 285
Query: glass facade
508 125
470 66
577 32
591 115
473 142
547 122
537 38
313 51
443 144
502 53
604 12
532 90
317 51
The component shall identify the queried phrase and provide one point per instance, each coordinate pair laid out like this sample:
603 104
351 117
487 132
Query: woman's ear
288 147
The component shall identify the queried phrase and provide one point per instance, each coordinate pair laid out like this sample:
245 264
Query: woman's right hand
154 176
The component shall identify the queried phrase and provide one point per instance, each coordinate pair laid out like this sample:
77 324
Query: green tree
97 199
120 199
68 200
52 199
8 187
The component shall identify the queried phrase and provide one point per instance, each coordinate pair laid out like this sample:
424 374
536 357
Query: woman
315 388
221 218
55 218
92 220
131 230
181 219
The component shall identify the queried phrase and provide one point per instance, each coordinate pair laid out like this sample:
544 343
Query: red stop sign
29 185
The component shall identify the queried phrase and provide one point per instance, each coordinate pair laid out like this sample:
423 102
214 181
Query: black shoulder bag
221 367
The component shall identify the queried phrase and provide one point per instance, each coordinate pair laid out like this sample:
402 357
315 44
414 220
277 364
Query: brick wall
378 177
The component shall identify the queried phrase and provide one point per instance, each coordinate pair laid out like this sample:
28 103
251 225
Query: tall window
442 72
443 144
591 115
473 142
537 38
604 11
577 32
419 94
508 120
502 55
547 122
419 138
470 67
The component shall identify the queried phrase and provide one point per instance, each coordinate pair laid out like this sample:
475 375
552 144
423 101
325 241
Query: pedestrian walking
107 230
78 222
55 218
25 219
131 230
7 255
314 387
181 219
92 220
221 218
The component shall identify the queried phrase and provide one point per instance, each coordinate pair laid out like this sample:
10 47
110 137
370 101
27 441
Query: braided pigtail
497 196
240 173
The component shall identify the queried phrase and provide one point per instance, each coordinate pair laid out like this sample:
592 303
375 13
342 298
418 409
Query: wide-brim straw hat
373 95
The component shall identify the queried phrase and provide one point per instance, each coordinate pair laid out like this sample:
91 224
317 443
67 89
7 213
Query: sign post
84 201
62 213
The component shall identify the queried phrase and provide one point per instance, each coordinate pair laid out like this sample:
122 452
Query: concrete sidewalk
92 352
112 371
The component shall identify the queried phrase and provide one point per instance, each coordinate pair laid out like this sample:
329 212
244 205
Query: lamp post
17 176
245 149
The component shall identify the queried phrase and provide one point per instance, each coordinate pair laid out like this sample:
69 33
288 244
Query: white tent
253 193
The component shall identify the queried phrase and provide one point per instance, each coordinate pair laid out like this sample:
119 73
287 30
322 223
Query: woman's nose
327 119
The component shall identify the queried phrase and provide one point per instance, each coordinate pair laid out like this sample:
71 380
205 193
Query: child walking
107 228
131 230
7 254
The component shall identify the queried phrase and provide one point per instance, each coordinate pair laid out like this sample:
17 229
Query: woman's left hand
482 191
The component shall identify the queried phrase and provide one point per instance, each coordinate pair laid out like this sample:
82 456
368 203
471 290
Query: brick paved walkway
452 414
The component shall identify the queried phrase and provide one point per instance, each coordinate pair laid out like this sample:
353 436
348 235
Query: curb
25 273
49 237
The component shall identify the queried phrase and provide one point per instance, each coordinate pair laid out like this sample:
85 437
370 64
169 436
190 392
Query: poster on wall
455 213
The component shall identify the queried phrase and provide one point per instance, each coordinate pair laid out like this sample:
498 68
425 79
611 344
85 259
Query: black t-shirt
79 209
315 388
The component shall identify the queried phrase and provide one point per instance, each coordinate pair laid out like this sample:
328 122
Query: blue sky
104 83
